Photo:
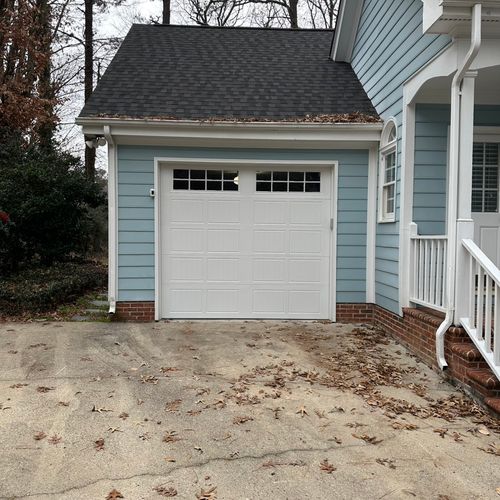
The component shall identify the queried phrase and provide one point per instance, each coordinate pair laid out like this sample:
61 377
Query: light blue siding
136 214
390 48
431 159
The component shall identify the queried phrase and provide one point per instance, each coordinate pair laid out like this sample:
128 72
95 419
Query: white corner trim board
186 287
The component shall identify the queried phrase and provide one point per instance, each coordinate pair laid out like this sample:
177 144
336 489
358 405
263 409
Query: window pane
197 185
230 186
313 187
296 176
296 187
279 186
181 184
214 185
491 201
280 176
214 174
313 176
263 176
263 186
230 175
477 200
181 174
197 174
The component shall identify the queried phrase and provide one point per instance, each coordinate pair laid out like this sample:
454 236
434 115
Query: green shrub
44 288
48 198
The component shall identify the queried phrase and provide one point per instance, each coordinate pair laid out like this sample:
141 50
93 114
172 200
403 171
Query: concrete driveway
232 410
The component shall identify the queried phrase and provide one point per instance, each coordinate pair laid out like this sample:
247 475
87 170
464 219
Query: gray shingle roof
191 72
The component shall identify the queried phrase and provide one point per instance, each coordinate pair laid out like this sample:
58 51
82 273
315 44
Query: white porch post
465 224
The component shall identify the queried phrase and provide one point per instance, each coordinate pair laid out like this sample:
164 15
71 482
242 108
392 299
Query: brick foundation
135 311
355 313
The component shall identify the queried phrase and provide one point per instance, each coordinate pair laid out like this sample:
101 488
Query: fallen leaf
172 406
210 494
327 466
368 439
238 420
166 491
169 459
18 386
442 432
42 389
149 379
170 437
123 415
302 411
114 495
493 449
114 429
39 436
55 439
498 491
100 410
63 403
99 444
386 462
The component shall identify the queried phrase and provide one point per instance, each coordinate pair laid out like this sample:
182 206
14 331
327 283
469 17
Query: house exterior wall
135 177
431 158
390 48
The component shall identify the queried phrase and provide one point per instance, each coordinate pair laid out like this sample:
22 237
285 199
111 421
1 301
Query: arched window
387 173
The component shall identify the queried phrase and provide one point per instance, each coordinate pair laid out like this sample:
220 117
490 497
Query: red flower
4 217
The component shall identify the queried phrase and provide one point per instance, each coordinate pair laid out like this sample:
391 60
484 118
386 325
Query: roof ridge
221 28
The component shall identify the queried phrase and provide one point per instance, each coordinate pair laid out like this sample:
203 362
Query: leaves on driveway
43 389
368 439
99 444
207 494
114 495
171 437
241 419
55 439
165 491
39 436
327 467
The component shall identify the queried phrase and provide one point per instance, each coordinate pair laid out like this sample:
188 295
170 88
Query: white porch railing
483 320
428 271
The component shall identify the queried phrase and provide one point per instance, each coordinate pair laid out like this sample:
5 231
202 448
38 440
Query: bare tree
166 12
214 12
282 13
322 13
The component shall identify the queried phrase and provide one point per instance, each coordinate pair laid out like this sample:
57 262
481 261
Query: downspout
455 128
112 240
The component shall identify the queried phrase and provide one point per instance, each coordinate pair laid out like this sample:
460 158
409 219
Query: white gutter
455 128
112 227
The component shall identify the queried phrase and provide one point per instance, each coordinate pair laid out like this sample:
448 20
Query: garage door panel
184 240
220 212
185 301
270 241
306 242
223 270
306 212
305 302
223 240
305 271
269 301
270 212
186 210
269 270
187 269
223 301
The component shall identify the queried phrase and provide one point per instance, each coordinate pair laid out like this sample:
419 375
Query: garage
246 241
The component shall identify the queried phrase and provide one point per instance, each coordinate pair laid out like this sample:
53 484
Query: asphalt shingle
199 73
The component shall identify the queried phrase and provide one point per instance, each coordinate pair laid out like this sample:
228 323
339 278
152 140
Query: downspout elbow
440 333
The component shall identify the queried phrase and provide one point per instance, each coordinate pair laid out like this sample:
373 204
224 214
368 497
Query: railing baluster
496 329
487 315
421 271
432 284
472 292
439 274
480 303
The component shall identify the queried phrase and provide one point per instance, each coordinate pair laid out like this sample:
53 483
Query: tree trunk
166 12
293 13
89 78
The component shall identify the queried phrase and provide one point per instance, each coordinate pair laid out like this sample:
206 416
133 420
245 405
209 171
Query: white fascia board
200 134
346 30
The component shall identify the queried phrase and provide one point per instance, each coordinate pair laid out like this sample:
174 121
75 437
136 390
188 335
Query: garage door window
205 180
298 182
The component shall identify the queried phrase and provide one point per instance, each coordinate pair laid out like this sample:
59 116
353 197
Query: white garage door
245 242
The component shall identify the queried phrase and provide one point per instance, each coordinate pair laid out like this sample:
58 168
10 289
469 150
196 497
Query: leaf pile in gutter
322 118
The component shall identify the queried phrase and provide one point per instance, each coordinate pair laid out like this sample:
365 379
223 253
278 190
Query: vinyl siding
431 159
389 49
136 214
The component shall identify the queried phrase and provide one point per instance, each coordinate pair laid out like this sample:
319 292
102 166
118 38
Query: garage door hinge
331 224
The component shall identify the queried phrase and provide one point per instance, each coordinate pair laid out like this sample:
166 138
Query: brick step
494 404
485 378
466 351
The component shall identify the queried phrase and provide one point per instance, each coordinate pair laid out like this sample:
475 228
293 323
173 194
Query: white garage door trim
166 162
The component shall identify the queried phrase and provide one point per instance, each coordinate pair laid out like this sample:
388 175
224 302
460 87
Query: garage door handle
331 224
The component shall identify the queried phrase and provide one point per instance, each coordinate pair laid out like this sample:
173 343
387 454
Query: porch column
465 224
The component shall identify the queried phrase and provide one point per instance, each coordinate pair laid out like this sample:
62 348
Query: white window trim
386 150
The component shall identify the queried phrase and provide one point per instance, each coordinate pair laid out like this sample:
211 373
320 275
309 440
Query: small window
205 180
293 182
387 173
485 165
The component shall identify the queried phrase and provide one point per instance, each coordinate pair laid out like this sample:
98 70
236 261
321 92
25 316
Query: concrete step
494 404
